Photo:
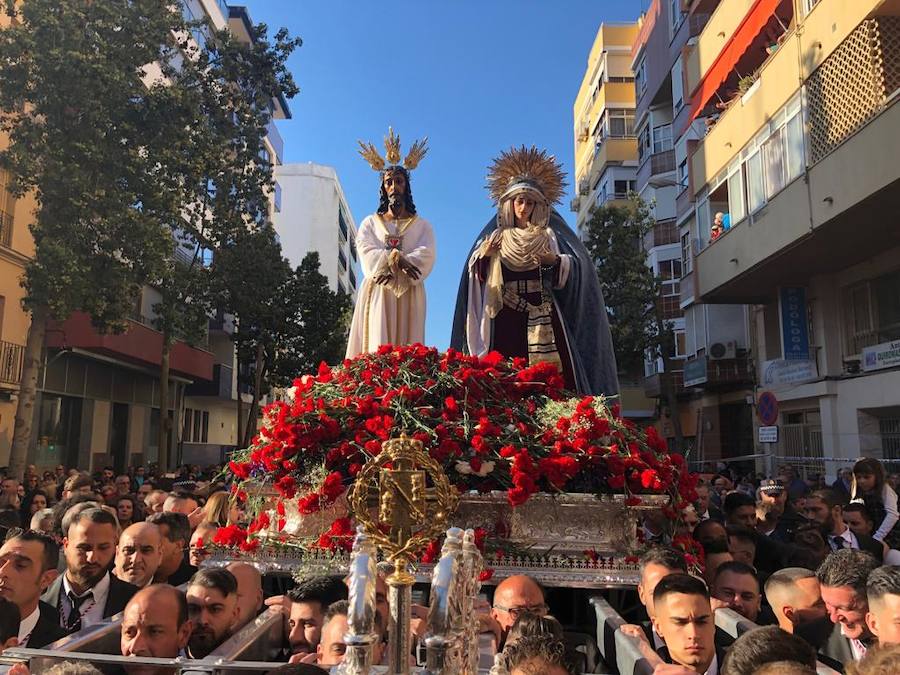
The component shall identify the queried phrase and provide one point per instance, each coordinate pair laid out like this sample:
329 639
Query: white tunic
393 313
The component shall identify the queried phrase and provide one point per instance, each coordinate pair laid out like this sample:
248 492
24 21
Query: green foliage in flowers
492 424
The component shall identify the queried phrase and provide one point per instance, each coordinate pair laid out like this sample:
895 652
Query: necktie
73 623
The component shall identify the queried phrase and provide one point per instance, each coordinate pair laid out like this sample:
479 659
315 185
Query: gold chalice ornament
393 484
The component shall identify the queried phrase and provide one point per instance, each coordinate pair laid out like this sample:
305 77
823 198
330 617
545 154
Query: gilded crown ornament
526 167
399 513
392 153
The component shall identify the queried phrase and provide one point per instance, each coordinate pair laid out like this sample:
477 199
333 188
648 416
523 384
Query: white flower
486 468
464 467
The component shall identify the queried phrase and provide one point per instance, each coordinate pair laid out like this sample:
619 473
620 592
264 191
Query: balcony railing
12 357
657 384
853 84
6 223
662 162
661 234
718 373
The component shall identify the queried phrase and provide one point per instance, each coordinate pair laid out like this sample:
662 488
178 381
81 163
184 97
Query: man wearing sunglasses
514 596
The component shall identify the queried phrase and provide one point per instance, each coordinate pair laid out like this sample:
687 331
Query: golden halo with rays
526 165
392 152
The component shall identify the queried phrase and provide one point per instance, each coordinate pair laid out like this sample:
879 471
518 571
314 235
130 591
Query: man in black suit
175 568
705 508
826 507
28 562
656 564
683 617
87 592
843 635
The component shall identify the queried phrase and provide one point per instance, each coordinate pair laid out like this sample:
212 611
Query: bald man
155 623
138 554
249 592
795 597
516 595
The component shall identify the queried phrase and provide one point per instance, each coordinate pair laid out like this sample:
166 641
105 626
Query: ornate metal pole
409 515
361 637
444 620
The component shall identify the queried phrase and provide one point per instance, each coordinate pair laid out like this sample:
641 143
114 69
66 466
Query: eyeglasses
540 610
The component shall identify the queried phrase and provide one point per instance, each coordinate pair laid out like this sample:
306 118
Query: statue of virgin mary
530 288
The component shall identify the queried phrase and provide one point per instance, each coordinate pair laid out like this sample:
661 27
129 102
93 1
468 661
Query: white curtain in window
756 195
795 158
773 155
736 195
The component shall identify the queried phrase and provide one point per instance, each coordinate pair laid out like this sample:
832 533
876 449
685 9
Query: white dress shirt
714 666
26 626
847 536
92 609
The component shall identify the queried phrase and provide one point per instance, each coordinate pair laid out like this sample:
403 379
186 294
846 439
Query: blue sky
475 77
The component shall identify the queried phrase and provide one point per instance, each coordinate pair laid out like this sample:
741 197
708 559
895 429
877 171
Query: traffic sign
767 408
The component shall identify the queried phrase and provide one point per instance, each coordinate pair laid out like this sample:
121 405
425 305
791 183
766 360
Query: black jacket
47 628
873 546
182 575
120 593
832 647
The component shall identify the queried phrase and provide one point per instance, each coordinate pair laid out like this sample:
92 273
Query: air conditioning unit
723 350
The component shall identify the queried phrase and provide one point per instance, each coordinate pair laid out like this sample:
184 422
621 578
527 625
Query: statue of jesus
396 248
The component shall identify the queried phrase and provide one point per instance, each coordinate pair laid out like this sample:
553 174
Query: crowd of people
812 566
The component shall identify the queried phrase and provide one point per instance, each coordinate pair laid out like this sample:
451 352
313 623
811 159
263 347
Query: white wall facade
312 210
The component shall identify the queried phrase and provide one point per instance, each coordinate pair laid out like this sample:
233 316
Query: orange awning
746 32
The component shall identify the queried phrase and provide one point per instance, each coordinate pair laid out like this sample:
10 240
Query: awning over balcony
735 48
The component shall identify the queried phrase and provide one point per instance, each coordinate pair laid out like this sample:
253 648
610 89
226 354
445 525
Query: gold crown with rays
392 152
526 168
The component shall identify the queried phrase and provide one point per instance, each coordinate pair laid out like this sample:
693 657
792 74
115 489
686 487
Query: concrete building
709 366
606 155
314 216
98 395
800 153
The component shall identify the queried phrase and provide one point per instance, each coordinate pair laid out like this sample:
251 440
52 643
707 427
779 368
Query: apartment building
314 216
798 161
606 155
709 366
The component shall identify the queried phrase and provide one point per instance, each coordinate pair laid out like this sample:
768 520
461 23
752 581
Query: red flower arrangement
492 423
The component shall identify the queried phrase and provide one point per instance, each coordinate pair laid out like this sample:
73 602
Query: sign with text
780 372
794 323
885 355
695 372
768 434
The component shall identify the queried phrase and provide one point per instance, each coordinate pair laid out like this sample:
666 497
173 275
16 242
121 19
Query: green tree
221 104
615 240
324 316
138 143
286 321
79 118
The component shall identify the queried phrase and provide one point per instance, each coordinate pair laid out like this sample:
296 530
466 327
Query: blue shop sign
794 324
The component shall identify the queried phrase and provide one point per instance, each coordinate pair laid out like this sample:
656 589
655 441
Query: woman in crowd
128 511
220 511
